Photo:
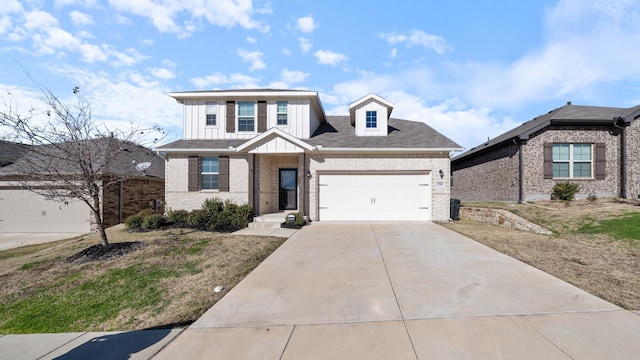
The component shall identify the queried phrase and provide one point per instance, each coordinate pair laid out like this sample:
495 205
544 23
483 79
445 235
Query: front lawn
167 279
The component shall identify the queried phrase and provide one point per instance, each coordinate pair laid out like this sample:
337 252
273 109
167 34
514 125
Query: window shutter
231 116
601 162
262 116
223 173
548 160
194 173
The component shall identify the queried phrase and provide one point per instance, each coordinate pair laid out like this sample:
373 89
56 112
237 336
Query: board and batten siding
381 119
301 121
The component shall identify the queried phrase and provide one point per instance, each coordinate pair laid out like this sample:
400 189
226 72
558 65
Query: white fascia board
277 132
241 94
372 96
383 150
195 151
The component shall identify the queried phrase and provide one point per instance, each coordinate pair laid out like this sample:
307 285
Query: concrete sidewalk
16 240
403 291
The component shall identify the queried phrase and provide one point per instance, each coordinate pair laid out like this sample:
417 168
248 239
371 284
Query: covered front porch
278 169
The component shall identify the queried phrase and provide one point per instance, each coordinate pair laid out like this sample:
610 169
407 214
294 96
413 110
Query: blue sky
470 69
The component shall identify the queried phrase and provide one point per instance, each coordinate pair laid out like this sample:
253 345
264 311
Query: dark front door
288 195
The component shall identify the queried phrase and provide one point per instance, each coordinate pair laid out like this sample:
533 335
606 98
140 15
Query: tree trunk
99 222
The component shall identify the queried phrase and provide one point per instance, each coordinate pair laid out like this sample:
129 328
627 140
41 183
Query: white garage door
24 211
374 197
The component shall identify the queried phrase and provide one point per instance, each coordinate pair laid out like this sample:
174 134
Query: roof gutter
344 149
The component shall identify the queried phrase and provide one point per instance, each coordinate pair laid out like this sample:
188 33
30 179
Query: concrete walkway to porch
403 291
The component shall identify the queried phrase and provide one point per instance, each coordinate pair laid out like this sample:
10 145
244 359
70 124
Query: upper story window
209 172
572 160
246 116
212 107
372 119
282 113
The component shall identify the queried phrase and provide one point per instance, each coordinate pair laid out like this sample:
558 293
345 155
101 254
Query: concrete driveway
16 240
403 291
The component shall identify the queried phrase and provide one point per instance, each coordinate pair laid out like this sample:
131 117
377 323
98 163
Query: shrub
198 218
133 221
565 190
299 221
233 217
153 222
145 212
178 217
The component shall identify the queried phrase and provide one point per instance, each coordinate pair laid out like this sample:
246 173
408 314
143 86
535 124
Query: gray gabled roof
338 133
565 115
403 134
52 158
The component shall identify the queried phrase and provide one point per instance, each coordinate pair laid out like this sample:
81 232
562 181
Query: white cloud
305 44
293 76
162 73
286 52
167 15
418 38
306 24
78 18
9 6
234 80
36 20
251 40
5 24
331 58
92 53
253 57
588 47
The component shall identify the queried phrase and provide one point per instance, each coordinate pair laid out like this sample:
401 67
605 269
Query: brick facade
494 175
121 200
266 182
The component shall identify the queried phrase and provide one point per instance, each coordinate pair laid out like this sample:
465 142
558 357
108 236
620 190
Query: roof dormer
370 115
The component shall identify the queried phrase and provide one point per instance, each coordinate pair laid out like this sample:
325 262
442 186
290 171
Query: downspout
120 203
520 173
623 164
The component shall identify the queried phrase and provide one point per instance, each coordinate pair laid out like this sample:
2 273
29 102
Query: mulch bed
99 253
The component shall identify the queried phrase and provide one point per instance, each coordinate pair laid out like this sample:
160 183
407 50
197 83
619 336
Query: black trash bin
454 209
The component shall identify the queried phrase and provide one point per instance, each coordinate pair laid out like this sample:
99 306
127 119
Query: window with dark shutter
231 116
223 162
194 174
548 160
262 116
601 162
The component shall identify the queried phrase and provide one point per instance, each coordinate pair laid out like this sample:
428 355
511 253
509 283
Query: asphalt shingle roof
52 157
337 132
568 114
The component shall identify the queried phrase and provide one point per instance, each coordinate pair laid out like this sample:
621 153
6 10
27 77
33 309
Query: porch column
301 183
251 160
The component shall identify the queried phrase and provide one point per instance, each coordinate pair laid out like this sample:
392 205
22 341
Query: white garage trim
374 196
22 211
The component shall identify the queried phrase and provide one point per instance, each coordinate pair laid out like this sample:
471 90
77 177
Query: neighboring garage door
374 197
24 211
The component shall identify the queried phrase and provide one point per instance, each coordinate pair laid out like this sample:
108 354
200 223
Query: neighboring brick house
595 147
277 151
24 211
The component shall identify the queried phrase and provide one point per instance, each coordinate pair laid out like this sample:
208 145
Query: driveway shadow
116 346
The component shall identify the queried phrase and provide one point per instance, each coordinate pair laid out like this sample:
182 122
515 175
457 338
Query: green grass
625 227
90 303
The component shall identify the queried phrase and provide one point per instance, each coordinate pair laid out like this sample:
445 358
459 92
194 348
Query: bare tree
63 154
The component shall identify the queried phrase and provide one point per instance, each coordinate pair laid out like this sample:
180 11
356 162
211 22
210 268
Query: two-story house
278 151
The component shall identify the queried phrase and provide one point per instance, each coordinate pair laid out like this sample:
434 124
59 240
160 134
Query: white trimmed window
371 119
209 173
246 116
212 110
573 161
282 113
